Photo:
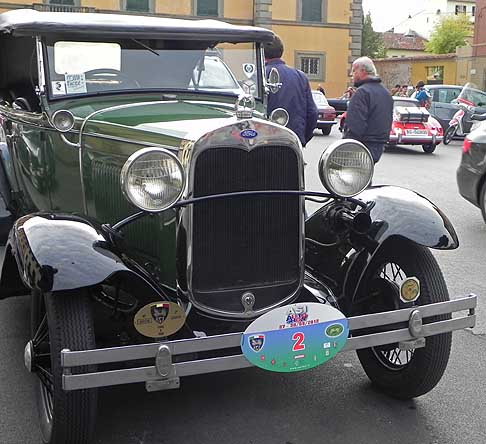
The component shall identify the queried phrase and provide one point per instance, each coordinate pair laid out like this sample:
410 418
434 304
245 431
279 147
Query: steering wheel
109 73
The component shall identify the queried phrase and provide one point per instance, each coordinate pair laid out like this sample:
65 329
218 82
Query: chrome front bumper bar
165 374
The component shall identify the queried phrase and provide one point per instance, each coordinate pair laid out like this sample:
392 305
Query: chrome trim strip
40 66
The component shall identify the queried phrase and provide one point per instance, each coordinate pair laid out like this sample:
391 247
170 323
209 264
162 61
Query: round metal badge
410 290
159 319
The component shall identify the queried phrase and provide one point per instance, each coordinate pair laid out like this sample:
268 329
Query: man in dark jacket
295 94
370 110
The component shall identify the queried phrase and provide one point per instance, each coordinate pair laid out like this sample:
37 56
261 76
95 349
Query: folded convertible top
25 22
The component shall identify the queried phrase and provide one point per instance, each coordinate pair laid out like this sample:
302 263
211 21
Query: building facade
432 69
321 37
403 45
423 21
478 62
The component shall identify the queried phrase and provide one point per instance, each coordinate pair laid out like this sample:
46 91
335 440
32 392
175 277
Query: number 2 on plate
299 342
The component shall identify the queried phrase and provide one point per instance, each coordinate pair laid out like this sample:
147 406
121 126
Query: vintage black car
157 219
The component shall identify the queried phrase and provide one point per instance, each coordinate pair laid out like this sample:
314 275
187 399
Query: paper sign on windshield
75 83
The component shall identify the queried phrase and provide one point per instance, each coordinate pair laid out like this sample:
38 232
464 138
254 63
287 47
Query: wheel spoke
45 376
42 331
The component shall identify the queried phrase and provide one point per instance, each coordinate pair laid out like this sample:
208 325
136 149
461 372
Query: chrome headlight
63 120
346 168
280 116
153 179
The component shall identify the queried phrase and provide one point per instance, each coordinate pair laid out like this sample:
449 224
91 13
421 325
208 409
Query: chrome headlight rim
274 116
324 161
65 112
136 156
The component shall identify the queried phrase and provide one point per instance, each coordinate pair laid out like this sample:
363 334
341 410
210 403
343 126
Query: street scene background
332 403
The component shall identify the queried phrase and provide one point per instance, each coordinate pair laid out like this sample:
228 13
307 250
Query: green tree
372 44
449 33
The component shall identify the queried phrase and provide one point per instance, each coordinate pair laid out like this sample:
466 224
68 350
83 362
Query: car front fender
53 253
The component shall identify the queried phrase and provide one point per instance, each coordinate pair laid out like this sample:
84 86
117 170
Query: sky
386 14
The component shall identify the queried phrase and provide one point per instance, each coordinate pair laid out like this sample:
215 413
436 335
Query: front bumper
165 374
415 140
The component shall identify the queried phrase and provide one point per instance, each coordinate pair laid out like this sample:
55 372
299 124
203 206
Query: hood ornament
244 106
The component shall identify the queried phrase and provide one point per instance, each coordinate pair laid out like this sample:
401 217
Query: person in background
295 94
321 89
370 110
422 95
395 90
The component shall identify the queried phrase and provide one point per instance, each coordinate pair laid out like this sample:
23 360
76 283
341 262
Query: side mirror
273 81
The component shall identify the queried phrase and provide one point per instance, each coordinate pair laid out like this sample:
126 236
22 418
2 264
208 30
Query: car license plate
295 337
416 132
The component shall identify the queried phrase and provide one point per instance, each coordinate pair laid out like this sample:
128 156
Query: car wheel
326 131
449 135
61 321
429 148
398 373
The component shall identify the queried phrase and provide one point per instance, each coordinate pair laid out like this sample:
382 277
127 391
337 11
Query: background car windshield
77 67
471 95
320 99
407 103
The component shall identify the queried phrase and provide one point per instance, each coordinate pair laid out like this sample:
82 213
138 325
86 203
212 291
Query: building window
460 9
138 5
207 8
473 11
312 10
435 74
62 2
312 64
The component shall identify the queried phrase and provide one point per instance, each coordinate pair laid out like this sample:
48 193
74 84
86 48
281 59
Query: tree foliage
449 33
372 44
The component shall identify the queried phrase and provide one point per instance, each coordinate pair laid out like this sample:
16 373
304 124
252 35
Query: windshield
82 68
319 98
472 96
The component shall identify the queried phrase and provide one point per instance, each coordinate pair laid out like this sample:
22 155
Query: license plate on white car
416 132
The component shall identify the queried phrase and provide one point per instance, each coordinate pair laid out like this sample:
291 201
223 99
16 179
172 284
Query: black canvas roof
27 22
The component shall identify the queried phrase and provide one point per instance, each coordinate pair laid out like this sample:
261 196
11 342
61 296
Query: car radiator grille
252 241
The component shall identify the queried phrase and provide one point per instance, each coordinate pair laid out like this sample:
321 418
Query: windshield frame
51 98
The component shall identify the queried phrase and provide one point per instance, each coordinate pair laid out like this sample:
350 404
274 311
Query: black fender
52 252
396 212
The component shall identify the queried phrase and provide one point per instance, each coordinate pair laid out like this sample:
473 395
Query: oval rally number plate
295 337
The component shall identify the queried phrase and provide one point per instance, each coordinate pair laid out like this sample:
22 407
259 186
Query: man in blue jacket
294 95
370 110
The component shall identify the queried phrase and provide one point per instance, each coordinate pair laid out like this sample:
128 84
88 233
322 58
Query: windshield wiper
143 45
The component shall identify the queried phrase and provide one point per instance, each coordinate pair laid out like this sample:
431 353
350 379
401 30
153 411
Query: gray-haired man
370 110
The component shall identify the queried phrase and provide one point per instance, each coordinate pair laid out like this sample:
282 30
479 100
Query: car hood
160 122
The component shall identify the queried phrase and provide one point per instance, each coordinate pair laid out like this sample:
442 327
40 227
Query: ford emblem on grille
249 134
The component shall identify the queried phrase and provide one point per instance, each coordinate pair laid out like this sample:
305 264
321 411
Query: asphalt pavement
332 403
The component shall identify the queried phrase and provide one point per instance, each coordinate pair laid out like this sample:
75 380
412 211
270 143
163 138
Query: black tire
429 148
327 130
449 135
400 374
62 321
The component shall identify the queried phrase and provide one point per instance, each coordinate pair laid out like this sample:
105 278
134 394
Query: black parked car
471 174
